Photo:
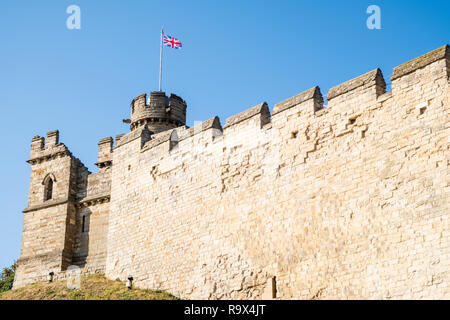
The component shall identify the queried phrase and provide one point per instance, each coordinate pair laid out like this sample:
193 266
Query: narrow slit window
83 224
49 189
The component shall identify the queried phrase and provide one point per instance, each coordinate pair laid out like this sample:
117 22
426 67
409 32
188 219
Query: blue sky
235 55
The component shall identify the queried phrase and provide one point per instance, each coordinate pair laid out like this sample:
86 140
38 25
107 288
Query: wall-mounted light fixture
129 282
50 276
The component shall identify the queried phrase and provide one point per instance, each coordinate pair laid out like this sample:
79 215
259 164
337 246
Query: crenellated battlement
442 53
346 102
312 94
259 113
373 79
43 149
159 113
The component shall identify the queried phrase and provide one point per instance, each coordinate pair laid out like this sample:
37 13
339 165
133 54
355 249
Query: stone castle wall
93 208
347 201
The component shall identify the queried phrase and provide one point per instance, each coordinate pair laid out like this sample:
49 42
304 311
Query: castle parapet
45 149
442 53
213 123
118 137
362 89
142 133
173 137
52 138
260 114
37 145
160 113
309 102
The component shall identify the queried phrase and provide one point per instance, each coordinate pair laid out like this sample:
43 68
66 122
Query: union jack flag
172 42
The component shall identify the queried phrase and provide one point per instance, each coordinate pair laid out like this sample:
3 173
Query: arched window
49 189
48 182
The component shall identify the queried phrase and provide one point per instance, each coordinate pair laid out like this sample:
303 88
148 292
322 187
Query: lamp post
129 283
50 276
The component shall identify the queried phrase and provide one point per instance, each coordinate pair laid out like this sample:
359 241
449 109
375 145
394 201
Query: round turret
160 113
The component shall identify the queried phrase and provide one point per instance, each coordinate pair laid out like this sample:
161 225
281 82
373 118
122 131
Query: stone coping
371 78
313 93
422 61
182 133
106 140
133 135
261 108
212 123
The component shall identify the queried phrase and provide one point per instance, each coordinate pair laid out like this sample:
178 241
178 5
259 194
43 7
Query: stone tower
160 113
50 217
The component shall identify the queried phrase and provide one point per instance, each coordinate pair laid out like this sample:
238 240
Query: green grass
93 287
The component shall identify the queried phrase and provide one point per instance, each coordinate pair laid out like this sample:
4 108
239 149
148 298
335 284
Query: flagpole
160 59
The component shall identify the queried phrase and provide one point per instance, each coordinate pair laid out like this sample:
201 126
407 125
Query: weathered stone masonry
347 201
